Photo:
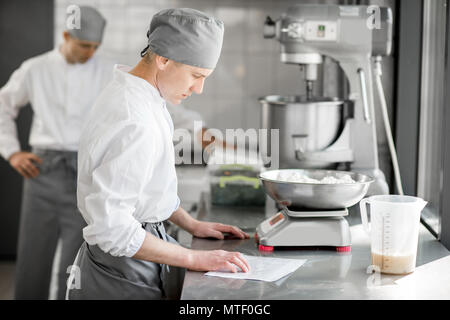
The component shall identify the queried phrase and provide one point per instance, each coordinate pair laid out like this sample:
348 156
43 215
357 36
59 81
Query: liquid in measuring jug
394 231
389 240
394 264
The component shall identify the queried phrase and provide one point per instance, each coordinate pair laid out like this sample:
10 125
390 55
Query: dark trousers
49 213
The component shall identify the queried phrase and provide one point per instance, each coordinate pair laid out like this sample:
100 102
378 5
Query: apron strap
157 227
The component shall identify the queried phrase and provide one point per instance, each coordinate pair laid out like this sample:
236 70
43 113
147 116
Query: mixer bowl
312 195
309 125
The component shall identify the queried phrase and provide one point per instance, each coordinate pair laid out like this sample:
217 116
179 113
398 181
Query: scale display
276 219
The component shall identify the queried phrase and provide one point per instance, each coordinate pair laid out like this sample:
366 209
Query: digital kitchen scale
292 228
309 214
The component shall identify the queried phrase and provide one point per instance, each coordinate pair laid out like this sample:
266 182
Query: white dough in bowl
298 177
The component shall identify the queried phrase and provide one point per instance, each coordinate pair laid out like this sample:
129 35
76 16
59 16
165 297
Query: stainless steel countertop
325 275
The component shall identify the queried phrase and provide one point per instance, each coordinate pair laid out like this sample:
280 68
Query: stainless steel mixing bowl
308 125
312 195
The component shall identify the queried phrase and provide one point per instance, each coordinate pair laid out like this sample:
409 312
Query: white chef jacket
184 118
60 95
126 165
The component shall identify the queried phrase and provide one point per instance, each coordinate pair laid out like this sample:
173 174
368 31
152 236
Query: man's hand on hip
24 163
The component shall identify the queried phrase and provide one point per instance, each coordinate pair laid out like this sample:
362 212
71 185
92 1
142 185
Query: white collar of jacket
59 57
121 74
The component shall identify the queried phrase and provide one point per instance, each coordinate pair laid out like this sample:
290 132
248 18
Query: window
430 164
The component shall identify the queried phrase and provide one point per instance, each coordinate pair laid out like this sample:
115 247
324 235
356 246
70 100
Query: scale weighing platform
290 228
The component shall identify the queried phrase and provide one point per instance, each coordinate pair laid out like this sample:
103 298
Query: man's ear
161 62
66 36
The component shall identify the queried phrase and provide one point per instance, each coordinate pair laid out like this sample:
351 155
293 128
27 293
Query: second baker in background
61 86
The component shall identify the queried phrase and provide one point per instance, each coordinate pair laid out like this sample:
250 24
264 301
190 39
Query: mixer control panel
320 31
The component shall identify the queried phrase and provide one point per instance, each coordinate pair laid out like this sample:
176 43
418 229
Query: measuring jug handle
363 210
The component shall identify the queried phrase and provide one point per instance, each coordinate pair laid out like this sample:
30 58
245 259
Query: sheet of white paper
263 269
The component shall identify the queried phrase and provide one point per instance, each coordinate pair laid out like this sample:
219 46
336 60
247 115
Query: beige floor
7 280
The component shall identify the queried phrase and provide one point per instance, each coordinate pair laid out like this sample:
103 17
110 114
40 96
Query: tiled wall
249 66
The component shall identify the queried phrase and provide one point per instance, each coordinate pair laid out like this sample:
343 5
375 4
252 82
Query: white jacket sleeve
108 195
13 96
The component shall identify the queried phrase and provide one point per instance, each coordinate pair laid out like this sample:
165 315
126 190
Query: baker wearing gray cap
127 184
89 24
61 86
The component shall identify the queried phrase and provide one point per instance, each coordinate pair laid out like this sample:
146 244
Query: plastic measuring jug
394 231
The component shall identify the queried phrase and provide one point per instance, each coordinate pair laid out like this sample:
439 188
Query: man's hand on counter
159 251
204 229
217 260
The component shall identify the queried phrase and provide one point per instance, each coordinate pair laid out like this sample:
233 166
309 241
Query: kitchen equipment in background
394 231
233 177
236 185
312 214
312 139
308 33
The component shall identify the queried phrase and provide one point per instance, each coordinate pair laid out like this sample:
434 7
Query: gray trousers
49 213
99 275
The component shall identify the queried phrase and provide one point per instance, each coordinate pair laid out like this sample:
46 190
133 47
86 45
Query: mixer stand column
309 89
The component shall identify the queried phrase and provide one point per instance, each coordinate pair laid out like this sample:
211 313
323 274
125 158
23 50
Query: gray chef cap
186 36
91 24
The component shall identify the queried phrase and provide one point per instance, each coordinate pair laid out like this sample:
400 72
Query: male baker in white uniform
61 86
127 185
